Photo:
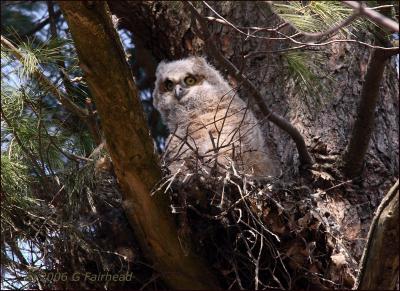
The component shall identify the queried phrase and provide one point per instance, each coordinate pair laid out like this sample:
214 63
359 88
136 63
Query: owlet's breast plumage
210 126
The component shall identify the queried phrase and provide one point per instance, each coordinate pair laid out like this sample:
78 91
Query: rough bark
165 31
379 267
130 145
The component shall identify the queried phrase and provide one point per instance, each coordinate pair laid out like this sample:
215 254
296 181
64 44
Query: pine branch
29 154
91 118
48 85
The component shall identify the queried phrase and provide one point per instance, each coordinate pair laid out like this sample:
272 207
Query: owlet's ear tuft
200 61
160 67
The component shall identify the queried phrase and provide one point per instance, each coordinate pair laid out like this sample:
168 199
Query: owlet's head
179 81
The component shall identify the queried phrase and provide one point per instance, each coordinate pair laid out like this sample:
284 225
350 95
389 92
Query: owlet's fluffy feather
208 121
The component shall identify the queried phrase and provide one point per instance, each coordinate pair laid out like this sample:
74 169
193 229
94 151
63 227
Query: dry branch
41 25
376 17
250 32
130 145
379 267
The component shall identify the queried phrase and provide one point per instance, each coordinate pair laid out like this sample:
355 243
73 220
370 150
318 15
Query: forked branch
371 14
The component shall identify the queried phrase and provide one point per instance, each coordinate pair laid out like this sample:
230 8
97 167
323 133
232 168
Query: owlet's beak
179 92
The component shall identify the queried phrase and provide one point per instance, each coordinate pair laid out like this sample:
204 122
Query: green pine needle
318 16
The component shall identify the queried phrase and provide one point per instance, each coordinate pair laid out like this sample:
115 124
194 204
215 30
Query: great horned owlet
207 120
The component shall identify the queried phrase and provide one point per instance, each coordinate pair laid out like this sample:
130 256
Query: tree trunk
130 145
364 124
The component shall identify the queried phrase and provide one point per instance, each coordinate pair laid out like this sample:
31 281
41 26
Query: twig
389 50
257 264
333 187
40 25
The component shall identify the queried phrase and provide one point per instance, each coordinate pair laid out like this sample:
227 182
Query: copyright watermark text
92 277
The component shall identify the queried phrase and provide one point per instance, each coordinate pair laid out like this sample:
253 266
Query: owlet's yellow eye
190 81
169 85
